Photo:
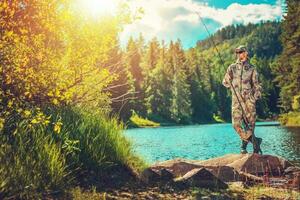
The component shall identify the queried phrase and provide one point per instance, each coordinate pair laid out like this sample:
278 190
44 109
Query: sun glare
97 7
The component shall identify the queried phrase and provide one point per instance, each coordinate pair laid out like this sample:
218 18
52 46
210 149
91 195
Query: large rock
250 163
180 167
296 180
291 170
227 168
166 175
200 177
225 173
150 176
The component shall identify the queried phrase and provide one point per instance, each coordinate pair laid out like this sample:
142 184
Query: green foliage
53 55
290 119
137 121
101 141
296 103
32 163
228 33
264 41
121 89
218 119
152 65
286 69
181 104
202 96
167 91
36 160
55 70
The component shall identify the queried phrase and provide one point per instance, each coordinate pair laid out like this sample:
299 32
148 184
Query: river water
207 141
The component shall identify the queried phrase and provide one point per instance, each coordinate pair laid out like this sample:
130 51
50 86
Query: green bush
290 119
137 121
36 160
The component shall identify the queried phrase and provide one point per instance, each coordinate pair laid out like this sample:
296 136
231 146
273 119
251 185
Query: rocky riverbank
218 172
233 176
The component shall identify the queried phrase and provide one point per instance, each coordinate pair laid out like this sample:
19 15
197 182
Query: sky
179 19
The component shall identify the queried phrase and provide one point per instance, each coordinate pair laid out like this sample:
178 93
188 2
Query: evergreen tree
287 68
201 102
149 85
158 91
264 41
181 104
133 60
122 87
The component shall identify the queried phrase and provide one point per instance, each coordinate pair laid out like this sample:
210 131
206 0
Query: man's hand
257 95
228 78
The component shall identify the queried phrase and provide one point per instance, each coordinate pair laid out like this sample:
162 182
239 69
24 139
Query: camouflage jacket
244 78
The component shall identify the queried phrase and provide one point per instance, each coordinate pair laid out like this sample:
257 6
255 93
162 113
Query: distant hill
262 39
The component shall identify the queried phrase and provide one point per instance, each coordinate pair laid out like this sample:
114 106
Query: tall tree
121 89
181 104
158 92
287 69
200 87
148 64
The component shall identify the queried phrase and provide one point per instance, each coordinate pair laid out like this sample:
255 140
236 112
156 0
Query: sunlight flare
96 7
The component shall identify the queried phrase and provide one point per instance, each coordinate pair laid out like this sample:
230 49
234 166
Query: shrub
137 121
290 119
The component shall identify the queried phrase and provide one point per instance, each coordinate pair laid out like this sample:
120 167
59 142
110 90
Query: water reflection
292 143
283 142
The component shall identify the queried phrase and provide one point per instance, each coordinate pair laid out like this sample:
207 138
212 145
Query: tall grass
32 163
37 160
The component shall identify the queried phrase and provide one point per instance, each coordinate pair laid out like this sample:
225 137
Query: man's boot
256 144
244 147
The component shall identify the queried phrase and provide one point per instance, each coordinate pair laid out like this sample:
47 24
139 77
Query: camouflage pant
248 105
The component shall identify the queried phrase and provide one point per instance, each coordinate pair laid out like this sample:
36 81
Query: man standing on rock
242 78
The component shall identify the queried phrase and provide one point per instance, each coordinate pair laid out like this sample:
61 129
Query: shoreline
162 125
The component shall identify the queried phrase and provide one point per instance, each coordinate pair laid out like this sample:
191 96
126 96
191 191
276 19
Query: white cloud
163 18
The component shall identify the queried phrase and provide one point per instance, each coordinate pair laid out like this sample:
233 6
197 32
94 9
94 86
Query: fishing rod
245 119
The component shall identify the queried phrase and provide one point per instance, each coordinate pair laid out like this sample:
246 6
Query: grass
32 164
291 119
236 191
35 161
260 191
139 191
137 121
218 118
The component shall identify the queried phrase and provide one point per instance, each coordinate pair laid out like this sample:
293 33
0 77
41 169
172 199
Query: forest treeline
166 83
